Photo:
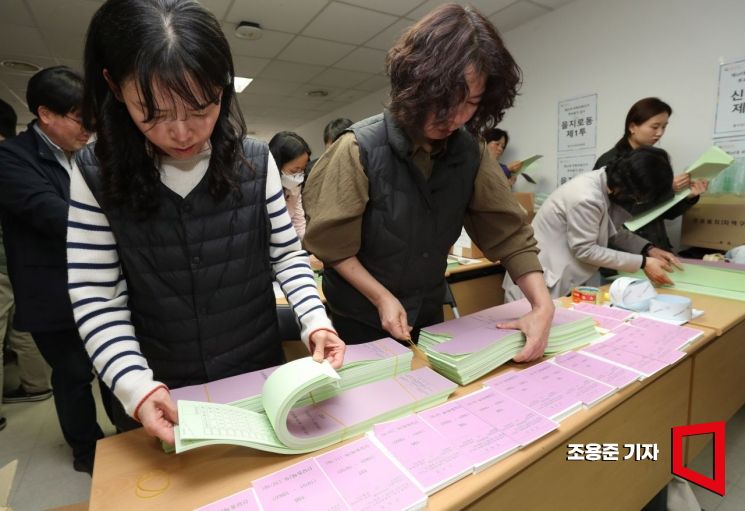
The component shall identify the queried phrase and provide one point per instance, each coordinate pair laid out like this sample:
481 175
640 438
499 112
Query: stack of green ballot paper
290 429
713 279
363 363
467 348
708 166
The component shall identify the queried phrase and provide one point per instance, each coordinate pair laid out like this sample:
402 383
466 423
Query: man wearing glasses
34 194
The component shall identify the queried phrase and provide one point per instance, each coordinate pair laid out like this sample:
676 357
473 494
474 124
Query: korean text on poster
730 116
569 167
577 123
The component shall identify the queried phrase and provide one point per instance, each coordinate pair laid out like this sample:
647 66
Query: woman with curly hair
386 202
177 223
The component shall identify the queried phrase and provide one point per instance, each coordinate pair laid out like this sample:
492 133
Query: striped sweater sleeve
98 292
290 262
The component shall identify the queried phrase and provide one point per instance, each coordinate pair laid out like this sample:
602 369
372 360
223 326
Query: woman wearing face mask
292 153
576 235
645 124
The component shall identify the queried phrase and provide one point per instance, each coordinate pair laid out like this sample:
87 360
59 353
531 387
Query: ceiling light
317 93
248 30
20 66
241 83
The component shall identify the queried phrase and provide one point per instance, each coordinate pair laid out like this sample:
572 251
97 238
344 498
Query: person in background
178 223
496 142
331 132
575 231
390 197
33 371
34 199
291 153
645 125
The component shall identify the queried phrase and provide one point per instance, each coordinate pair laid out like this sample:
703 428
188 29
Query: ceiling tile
270 44
397 7
290 71
271 87
364 59
66 45
15 12
348 95
552 4
348 24
284 15
385 39
377 82
314 51
340 78
217 7
63 15
249 66
75 64
516 14
24 41
39 61
14 81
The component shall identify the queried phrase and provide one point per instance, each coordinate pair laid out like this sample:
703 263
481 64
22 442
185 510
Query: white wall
623 51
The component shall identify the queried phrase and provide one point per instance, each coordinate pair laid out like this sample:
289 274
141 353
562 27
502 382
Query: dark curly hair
179 46
427 67
642 177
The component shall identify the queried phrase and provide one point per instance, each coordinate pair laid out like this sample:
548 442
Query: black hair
642 176
495 134
428 65
639 113
285 146
8 120
58 88
179 46
334 129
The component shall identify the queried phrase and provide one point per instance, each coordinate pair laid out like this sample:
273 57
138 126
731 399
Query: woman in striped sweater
177 224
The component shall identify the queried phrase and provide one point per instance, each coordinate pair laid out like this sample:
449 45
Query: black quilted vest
199 277
410 222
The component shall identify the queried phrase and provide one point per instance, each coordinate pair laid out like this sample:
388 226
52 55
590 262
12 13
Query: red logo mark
717 429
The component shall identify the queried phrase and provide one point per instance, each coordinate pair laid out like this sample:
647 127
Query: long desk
537 477
718 384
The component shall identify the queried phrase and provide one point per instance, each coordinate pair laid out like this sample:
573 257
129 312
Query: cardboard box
464 247
526 200
717 221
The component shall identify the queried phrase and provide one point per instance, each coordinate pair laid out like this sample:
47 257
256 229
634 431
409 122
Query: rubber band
144 492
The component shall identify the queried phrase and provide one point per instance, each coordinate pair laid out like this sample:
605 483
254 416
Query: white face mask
292 181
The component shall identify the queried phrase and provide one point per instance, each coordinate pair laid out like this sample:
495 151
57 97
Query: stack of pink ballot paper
467 348
363 363
644 345
399 463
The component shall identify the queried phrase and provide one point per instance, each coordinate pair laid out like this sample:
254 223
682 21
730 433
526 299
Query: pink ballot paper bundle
467 348
288 428
363 363
358 476
550 389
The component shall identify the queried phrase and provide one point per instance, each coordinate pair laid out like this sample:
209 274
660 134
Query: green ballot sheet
705 280
528 161
707 166
290 427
